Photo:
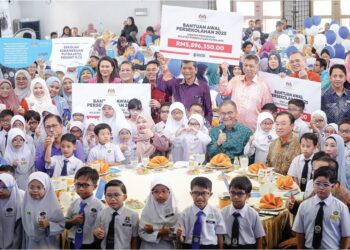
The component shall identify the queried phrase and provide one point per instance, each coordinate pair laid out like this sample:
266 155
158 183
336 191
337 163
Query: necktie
197 230
316 241
79 233
110 234
304 176
33 135
6 140
64 169
235 230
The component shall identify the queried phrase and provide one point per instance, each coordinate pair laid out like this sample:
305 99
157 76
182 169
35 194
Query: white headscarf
15 199
68 96
301 44
323 115
158 214
78 110
260 136
334 126
77 124
341 160
39 104
18 118
200 120
21 154
22 93
33 207
117 119
172 126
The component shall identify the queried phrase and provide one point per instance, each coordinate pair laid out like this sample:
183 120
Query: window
223 5
272 8
246 8
322 7
345 7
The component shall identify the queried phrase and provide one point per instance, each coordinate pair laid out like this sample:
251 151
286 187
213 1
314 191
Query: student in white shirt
159 216
89 137
296 108
259 143
329 229
117 225
32 119
19 155
105 150
344 132
164 112
193 138
211 235
301 168
82 213
249 229
67 163
5 123
11 230
18 122
125 142
331 129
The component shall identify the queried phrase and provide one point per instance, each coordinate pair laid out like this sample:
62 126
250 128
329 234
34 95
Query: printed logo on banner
202 17
289 85
111 92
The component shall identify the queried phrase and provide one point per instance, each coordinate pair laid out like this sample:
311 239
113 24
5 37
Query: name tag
169 215
9 212
126 225
210 221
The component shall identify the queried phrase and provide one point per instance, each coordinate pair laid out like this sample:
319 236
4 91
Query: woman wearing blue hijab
85 74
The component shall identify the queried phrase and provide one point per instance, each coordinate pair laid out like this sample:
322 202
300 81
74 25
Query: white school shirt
297 166
212 224
126 225
309 188
109 152
347 161
194 143
336 221
300 127
159 127
91 210
250 226
73 165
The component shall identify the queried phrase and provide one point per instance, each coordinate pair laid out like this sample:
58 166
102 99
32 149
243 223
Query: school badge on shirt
168 212
210 219
9 212
335 215
127 222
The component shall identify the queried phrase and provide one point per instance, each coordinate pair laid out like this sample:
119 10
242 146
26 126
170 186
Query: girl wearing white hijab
318 125
159 217
339 155
299 42
89 137
331 129
22 84
259 143
39 97
42 218
19 154
194 137
176 120
18 122
112 114
11 230
125 142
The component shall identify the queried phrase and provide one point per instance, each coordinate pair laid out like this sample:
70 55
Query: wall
106 15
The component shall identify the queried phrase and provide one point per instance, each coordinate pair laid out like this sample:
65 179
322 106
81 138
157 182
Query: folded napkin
221 160
285 183
269 201
255 167
158 161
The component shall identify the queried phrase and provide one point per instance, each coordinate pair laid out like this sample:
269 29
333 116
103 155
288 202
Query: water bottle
110 50
236 164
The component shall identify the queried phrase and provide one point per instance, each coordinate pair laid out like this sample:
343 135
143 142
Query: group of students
34 220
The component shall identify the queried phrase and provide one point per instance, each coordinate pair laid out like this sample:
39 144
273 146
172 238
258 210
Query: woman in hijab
318 124
19 154
106 72
54 86
39 98
142 139
134 55
8 99
213 75
22 84
99 48
275 64
259 143
42 217
176 120
11 198
67 85
299 42
334 147
159 216
85 74
130 30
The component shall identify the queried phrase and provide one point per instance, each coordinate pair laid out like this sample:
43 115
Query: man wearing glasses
54 130
297 62
230 137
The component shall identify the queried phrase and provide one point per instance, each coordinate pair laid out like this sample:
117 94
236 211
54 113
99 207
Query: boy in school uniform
301 168
32 119
201 225
67 163
244 229
117 226
164 112
323 221
82 213
5 123
105 150
296 108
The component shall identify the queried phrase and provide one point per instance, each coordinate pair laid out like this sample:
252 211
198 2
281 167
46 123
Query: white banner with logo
287 88
201 35
91 96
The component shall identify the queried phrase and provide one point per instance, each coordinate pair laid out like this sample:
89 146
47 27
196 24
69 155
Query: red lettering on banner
195 45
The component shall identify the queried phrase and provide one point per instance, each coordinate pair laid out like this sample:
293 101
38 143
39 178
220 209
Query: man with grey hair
248 91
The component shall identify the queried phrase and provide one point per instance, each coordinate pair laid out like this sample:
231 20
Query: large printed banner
70 52
287 88
201 35
91 96
62 52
